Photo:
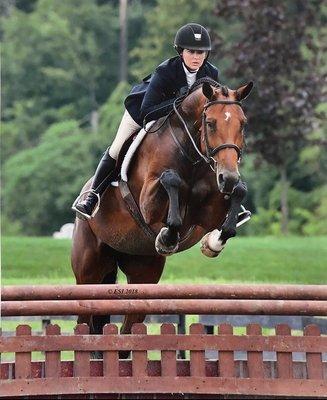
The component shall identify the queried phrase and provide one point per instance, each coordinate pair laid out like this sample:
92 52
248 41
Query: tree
62 53
162 22
41 183
278 52
123 39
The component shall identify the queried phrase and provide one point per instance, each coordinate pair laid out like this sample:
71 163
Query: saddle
128 151
123 152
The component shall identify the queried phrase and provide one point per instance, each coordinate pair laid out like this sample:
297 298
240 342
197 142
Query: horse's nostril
221 178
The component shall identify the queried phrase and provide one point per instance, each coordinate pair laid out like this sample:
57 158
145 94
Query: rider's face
193 58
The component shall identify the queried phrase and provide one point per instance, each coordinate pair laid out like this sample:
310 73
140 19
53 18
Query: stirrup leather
96 208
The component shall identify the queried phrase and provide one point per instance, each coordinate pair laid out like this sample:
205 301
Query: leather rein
210 152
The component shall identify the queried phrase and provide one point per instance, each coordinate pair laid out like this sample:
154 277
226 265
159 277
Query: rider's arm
156 102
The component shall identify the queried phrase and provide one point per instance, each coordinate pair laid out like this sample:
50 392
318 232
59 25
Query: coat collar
181 77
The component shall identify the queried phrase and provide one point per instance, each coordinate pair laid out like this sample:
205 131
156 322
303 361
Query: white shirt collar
190 76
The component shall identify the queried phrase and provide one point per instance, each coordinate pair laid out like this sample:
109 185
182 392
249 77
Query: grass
27 260
301 260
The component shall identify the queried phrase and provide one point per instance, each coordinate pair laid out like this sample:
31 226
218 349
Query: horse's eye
211 125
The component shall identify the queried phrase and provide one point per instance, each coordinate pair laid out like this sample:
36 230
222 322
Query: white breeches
126 129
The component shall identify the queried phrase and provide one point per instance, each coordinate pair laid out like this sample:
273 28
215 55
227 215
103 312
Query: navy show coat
154 97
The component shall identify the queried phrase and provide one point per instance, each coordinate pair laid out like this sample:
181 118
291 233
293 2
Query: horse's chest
200 191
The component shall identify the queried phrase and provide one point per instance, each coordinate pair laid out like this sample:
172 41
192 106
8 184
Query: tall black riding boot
101 179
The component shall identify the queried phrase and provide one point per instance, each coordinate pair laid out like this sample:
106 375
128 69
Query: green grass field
303 260
245 260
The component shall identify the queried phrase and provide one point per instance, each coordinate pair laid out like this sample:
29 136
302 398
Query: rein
210 153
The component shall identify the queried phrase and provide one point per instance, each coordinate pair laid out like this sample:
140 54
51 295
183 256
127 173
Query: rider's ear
207 90
243 92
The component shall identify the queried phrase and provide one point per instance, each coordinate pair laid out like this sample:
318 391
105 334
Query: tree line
64 81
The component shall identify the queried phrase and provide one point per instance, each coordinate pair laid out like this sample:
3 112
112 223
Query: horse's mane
200 81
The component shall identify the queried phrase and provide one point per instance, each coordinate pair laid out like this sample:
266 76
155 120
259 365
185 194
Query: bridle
210 153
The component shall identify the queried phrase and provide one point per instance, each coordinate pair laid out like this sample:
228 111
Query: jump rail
168 377
151 291
165 299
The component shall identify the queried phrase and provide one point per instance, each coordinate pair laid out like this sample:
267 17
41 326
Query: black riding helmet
193 37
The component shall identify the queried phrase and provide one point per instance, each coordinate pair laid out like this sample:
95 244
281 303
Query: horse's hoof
209 253
211 245
161 248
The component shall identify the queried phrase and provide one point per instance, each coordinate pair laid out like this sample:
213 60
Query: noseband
210 153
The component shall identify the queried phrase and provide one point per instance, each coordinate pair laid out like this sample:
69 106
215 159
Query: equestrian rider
153 99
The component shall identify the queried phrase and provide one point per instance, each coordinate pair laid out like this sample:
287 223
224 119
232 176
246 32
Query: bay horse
185 182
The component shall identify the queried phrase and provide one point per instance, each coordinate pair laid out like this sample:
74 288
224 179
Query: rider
153 99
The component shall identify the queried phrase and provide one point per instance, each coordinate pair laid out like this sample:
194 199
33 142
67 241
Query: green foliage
110 114
41 183
316 223
60 64
260 179
162 23
264 222
62 53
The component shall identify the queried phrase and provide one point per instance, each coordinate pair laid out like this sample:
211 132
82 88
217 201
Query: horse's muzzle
227 181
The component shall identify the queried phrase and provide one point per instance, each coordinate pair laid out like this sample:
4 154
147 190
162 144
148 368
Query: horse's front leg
214 242
167 239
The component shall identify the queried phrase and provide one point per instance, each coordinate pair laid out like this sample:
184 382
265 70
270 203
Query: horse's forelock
224 91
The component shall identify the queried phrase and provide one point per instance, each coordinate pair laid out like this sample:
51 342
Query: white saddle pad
131 151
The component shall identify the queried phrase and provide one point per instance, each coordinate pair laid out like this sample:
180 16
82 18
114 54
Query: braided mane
200 81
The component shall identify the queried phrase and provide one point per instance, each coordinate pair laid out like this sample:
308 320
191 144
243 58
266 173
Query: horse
184 185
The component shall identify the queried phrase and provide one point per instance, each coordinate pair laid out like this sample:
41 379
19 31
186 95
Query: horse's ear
243 92
207 90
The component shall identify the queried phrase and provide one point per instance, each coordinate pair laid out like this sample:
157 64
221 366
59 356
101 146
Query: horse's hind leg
168 237
99 321
92 263
139 269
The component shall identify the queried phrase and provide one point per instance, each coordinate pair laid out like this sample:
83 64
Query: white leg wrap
214 241
211 244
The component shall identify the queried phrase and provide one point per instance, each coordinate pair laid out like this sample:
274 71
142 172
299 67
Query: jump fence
165 376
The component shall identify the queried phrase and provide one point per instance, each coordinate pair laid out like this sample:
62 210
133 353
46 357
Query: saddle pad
132 149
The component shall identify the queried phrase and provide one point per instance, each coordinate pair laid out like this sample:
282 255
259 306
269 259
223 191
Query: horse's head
221 131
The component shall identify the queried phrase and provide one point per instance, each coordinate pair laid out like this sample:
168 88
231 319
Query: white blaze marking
228 116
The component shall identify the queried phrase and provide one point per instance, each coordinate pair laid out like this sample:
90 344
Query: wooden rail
164 306
165 299
151 291
167 377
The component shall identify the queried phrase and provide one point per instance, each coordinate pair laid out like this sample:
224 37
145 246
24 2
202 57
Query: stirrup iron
244 216
96 208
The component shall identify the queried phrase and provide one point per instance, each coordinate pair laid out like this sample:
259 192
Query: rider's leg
126 129
105 169
84 208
